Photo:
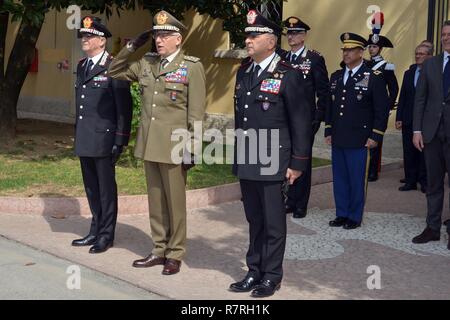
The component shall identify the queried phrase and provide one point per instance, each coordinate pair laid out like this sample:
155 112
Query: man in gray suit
431 126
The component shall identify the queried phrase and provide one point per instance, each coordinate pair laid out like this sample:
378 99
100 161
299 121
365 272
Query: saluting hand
141 39
292 175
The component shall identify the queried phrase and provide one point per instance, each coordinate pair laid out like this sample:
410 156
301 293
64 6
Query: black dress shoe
350 225
372 178
266 289
338 222
299 213
246 285
86 241
403 180
408 187
101 245
427 235
289 209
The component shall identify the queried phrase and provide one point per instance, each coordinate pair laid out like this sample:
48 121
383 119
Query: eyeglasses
163 36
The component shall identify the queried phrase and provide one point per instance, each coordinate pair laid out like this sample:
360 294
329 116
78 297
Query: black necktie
88 68
255 74
350 73
293 57
446 78
164 63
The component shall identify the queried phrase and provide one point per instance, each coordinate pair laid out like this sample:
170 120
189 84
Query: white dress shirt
354 71
264 64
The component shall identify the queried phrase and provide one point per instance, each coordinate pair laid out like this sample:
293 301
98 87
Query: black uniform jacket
312 65
358 110
275 104
103 110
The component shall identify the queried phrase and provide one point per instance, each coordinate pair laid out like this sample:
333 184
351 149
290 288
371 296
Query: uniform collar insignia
274 63
104 59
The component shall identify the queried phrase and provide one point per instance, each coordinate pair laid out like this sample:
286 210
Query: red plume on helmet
377 22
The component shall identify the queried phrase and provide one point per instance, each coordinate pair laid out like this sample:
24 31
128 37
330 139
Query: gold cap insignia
346 36
87 22
162 18
292 21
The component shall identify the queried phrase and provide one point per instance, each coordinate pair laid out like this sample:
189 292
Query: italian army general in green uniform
173 97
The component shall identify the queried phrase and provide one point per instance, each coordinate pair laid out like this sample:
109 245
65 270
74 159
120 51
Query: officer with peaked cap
173 97
376 43
312 65
103 123
355 123
271 112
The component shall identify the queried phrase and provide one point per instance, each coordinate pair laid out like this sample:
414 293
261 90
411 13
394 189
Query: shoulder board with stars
287 64
151 55
377 73
191 58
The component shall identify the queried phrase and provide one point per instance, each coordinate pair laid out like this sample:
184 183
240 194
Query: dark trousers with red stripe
264 210
101 191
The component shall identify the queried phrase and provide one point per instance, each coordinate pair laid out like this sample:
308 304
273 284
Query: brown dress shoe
171 266
427 235
148 262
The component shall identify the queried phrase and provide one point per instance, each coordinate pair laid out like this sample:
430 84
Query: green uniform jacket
173 98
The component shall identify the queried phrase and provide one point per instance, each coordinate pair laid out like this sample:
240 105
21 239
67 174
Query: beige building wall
50 91
405 25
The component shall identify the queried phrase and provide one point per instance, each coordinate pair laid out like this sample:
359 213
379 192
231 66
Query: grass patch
60 176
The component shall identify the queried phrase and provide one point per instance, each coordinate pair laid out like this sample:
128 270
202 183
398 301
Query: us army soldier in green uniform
173 97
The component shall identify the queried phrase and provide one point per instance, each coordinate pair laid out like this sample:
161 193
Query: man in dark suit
431 125
102 129
413 159
355 123
272 118
312 66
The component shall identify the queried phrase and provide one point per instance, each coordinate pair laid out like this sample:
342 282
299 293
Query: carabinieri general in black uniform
355 123
269 99
102 129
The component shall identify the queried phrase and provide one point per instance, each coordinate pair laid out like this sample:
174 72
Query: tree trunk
8 113
11 84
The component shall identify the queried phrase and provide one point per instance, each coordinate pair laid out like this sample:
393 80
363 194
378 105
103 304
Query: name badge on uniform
178 76
271 86
100 78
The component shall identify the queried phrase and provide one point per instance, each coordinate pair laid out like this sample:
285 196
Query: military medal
359 97
173 96
271 86
266 105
